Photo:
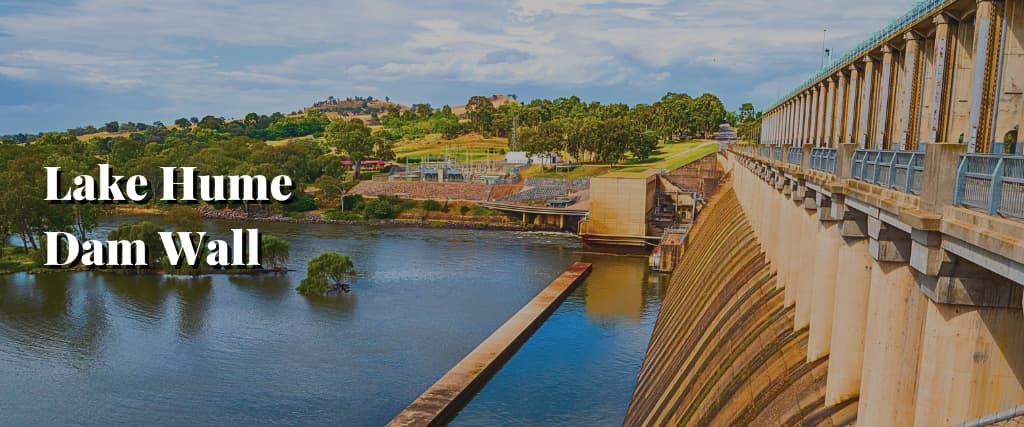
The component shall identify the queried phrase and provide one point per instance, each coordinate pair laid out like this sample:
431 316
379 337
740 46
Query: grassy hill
496 100
356 106
667 156
472 147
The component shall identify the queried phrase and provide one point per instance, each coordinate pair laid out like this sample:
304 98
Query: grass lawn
679 158
280 142
15 260
473 146
87 137
666 156
580 172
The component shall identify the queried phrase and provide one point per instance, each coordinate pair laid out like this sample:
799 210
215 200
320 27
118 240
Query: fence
918 10
824 159
795 156
992 182
900 170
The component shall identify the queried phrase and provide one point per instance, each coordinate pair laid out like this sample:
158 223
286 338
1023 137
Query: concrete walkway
439 404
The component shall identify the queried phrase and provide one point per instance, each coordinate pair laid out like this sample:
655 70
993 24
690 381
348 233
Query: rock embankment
425 190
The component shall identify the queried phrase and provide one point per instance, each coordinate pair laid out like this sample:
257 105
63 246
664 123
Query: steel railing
795 156
918 10
900 170
992 182
824 159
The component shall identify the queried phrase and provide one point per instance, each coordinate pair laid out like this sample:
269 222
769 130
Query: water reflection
617 289
580 367
265 286
193 303
51 315
142 297
144 349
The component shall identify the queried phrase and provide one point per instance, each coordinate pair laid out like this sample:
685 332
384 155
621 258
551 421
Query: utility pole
515 134
824 32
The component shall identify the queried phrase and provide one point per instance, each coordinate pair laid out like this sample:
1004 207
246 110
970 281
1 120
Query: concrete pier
826 262
892 345
849 321
439 404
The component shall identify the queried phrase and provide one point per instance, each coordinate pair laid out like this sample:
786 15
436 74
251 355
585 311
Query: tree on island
144 231
275 252
325 274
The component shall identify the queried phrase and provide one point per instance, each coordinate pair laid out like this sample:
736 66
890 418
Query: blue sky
67 63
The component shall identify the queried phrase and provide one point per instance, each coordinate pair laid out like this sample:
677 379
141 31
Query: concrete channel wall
439 404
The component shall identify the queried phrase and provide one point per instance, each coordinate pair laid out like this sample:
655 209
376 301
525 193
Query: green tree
326 273
275 251
642 144
145 232
380 208
331 191
674 115
423 110
480 112
708 113
547 137
746 112
431 205
185 218
356 140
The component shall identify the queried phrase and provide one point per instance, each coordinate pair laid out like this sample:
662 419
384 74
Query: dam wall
884 207
725 350
806 297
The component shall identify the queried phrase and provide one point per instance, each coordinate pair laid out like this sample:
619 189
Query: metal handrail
795 156
993 182
895 27
900 170
824 159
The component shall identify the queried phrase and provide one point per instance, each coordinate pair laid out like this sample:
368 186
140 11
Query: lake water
580 367
96 348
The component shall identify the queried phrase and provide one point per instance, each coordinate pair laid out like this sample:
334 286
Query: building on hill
726 133
523 158
365 164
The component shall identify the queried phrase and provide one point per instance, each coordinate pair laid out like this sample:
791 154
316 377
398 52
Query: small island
325 275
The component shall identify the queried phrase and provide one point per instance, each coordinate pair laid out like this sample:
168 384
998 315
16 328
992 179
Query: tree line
594 132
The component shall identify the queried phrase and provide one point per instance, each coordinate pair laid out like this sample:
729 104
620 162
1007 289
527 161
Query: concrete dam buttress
725 349
865 264
781 314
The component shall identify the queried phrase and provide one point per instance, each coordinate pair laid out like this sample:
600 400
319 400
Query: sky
69 63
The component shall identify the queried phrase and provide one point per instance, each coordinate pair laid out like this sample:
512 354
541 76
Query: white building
521 158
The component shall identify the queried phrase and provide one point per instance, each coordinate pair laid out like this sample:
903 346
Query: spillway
724 349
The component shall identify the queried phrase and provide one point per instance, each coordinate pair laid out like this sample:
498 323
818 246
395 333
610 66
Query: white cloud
243 55
659 76
17 72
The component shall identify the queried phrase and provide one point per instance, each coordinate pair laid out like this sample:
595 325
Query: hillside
356 106
496 100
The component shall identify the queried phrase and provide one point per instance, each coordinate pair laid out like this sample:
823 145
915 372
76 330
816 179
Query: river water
101 349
